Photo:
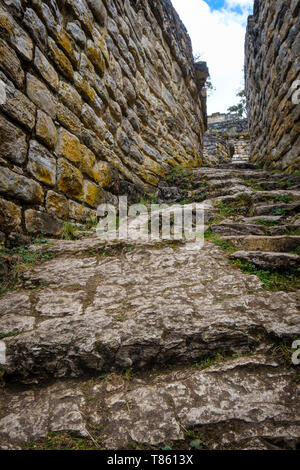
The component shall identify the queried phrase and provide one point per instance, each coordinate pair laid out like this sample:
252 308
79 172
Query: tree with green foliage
239 108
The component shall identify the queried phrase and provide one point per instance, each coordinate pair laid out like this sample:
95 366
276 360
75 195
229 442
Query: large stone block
69 179
92 121
69 120
41 164
68 146
15 104
93 194
96 57
57 205
98 10
19 39
40 95
89 165
11 64
70 97
61 61
20 187
109 177
13 145
83 13
65 42
77 33
10 217
36 27
41 222
45 129
80 213
46 70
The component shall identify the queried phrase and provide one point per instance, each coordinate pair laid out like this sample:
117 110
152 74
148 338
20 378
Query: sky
217 29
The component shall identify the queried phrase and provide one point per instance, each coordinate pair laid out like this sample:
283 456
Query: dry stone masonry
227 136
96 97
272 81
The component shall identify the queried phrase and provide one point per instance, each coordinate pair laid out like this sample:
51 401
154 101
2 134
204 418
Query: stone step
238 229
264 218
279 244
284 229
221 191
277 209
243 403
279 193
150 306
239 165
269 260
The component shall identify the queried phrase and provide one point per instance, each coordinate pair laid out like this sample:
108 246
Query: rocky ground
140 344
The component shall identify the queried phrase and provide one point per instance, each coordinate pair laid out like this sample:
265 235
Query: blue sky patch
219 4
215 4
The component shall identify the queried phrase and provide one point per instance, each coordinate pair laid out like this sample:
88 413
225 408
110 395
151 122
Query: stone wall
272 71
97 98
227 136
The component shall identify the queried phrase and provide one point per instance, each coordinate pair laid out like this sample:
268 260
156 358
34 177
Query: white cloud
239 3
219 37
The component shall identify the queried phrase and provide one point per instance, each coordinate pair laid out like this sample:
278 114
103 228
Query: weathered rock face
272 83
227 136
143 337
93 94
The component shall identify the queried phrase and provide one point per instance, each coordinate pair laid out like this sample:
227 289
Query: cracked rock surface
247 403
161 312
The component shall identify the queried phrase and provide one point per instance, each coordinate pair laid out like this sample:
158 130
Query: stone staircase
145 344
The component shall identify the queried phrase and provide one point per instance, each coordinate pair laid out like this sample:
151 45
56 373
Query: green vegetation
239 108
268 223
288 280
282 198
180 177
196 442
19 259
213 237
26 255
2 381
240 206
64 441
278 211
8 335
286 184
258 187
284 351
205 361
69 232
294 232
194 199
128 374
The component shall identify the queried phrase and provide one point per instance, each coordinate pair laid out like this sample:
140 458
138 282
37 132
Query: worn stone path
157 310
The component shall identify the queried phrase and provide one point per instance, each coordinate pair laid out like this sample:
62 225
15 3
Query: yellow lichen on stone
68 146
45 129
154 167
89 164
65 42
61 60
70 179
105 175
96 58
93 194
57 205
84 88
